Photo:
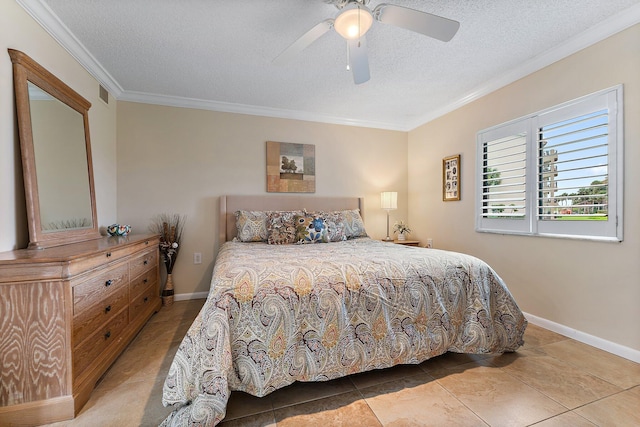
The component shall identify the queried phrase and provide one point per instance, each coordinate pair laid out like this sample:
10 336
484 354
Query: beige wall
181 160
178 160
19 31
587 286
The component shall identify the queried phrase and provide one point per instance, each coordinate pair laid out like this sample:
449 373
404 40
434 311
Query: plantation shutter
503 178
576 168
569 153
558 172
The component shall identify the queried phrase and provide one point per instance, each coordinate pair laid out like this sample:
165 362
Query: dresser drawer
142 282
87 353
145 262
110 254
94 289
143 303
88 321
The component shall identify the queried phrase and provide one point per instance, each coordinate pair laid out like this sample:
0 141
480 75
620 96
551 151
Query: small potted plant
402 229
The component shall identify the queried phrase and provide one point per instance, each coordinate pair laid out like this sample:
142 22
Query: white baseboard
602 344
195 295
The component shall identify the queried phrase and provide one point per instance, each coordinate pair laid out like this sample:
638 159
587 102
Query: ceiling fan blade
421 22
358 60
303 42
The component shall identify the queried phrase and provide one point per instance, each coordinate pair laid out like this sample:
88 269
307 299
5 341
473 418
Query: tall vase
167 293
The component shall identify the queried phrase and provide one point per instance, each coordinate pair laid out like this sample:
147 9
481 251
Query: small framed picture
451 178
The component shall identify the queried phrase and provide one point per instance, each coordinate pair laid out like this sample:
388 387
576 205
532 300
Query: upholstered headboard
230 204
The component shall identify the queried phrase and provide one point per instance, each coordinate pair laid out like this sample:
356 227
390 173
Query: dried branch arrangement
169 227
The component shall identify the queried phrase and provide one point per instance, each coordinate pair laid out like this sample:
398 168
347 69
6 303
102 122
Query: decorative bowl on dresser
66 313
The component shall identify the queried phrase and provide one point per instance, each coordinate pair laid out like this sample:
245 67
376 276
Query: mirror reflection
53 121
61 163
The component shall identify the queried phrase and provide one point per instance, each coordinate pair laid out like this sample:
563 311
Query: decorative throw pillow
251 226
334 223
311 229
335 230
354 224
348 224
281 227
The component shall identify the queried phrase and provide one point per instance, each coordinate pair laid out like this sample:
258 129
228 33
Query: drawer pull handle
146 242
145 281
108 254
107 309
108 282
107 335
146 299
145 262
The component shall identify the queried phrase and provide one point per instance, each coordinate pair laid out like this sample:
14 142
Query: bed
280 313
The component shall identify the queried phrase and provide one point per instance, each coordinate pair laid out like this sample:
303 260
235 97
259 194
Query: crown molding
228 107
42 14
48 20
595 34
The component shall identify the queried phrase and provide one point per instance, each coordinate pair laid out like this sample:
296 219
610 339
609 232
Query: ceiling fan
353 21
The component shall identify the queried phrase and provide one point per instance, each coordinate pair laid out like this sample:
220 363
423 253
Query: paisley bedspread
280 314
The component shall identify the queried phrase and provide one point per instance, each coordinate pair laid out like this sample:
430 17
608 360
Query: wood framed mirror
53 122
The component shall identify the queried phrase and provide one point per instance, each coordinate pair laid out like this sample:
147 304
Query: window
555 173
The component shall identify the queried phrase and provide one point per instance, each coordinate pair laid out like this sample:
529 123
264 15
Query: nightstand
404 242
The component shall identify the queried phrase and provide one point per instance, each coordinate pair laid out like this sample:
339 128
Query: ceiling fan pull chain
348 56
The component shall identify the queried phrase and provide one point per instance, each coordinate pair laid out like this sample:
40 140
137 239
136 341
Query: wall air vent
104 95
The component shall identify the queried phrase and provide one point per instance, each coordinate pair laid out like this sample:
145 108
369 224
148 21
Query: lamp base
388 238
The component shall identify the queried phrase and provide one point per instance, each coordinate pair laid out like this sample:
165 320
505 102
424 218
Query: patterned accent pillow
347 223
354 224
335 230
251 226
311 229
281 227
335 225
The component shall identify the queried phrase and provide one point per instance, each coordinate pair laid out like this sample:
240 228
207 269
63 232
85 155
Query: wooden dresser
66 313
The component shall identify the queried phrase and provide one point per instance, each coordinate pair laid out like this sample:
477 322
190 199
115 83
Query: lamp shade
389 200
354 21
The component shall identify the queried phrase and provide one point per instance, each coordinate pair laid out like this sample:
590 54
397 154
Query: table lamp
388 202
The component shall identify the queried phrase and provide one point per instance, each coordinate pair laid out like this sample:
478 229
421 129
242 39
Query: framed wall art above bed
291 168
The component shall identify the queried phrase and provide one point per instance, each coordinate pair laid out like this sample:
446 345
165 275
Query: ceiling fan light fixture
354 21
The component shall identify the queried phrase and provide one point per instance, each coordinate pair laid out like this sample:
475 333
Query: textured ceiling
218 54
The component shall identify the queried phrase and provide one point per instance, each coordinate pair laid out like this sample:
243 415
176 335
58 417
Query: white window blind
573 168
502 184
557 172
504 177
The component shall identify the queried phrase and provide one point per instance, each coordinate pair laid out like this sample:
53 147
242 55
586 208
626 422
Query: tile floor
551 381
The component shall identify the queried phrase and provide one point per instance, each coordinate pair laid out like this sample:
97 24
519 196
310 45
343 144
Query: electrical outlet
197 258
429 242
